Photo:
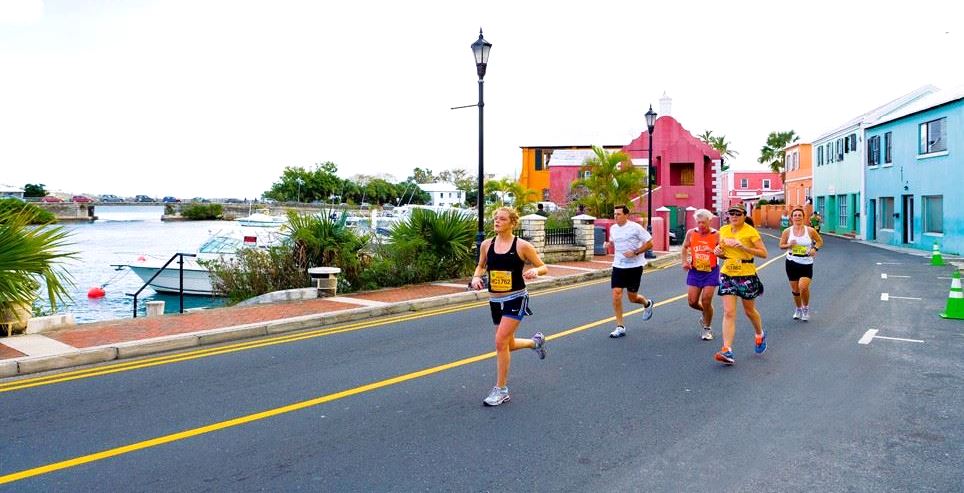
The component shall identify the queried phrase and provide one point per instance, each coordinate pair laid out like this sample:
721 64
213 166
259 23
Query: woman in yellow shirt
739 244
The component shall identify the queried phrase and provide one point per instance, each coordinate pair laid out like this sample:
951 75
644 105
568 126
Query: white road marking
886 276
888 297
897 339
889 263
871 334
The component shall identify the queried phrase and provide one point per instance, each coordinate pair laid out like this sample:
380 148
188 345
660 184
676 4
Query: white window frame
926 214
927 146
744 183
766 183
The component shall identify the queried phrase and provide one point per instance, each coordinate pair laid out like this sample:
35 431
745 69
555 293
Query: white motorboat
262 219
197 278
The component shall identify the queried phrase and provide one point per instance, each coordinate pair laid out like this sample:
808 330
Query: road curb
133 349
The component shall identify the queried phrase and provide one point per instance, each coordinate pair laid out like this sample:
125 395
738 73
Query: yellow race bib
732 266
799 250
500 281
701 262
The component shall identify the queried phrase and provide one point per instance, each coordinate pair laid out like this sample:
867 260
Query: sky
215 98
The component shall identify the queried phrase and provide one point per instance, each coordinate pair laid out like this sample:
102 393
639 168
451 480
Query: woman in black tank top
504 258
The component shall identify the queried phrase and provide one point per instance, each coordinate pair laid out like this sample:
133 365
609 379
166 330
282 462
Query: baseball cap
737 208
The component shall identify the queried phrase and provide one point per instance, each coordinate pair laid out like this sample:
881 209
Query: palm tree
720 144
612 180
29 255
772 154
507 187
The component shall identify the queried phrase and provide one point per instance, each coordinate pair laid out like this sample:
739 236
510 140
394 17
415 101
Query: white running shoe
497 396
805 314
648 310
707 334
619 332
797 313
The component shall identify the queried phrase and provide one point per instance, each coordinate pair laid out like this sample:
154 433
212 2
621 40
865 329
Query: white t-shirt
627 238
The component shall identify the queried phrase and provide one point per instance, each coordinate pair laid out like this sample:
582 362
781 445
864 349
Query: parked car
170 200
143 198
200 200
50 199
81 199
233 201
110 198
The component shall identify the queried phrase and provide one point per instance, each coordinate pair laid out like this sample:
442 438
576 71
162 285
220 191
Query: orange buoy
96 292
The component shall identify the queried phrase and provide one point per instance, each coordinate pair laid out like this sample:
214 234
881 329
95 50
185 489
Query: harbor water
120 235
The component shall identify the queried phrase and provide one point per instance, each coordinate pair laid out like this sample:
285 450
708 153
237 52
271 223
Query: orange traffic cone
955 300
936 258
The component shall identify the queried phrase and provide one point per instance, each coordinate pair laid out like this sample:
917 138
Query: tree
29 255
298 183
420 175
720 144
31 190
612 180
773 155
506 187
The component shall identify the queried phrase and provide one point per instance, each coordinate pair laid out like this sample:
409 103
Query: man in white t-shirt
630 242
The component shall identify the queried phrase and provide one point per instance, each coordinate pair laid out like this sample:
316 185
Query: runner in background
802 244
630 241
702 269
739 244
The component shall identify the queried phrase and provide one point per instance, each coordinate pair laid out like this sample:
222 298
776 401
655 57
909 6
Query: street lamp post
651 125
299 189
480 48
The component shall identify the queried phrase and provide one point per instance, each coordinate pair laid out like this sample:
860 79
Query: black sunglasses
736 213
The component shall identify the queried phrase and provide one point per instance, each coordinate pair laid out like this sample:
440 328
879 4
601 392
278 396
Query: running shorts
795 271
703 279
627 278
515 305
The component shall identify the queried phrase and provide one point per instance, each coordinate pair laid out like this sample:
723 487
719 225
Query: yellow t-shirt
733 265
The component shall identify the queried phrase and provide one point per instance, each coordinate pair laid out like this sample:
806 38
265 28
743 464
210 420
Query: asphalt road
396 405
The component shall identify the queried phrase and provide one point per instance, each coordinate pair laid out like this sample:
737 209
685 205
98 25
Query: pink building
748 186
685 170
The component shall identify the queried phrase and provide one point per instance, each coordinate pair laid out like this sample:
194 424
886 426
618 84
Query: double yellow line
243 346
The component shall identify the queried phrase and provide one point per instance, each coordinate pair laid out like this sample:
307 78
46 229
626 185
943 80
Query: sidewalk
127 338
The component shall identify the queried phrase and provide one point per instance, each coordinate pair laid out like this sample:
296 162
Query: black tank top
505 269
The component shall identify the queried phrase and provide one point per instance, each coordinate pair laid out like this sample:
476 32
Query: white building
10 191
443 194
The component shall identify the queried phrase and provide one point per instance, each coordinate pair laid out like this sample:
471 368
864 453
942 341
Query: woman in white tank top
802 244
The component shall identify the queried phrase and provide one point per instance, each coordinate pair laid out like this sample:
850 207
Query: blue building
915 174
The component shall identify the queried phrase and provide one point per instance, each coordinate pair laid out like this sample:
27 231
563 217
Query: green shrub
201 212
427 247
33 213
319 241
257 271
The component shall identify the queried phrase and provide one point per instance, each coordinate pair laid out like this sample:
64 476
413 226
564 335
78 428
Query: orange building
798 184
535 165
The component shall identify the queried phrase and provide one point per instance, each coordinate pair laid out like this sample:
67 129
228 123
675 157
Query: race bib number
799 250
732 266
701 262
500 280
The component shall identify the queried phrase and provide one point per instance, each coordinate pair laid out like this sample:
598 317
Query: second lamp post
651 125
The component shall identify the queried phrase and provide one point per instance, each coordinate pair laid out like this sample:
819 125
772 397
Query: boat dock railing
180 287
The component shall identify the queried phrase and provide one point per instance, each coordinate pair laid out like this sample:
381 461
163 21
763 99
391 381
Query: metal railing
561 236
180 287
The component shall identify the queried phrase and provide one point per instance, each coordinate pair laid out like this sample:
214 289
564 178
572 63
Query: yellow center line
250 418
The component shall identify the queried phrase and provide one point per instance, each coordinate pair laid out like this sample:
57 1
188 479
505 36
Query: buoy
141 259
96 292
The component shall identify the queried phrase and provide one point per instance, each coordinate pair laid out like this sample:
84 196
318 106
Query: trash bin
599 241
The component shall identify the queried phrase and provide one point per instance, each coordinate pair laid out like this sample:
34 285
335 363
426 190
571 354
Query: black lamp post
651 125
480 48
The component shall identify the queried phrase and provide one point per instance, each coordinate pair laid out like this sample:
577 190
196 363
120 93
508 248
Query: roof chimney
665 105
